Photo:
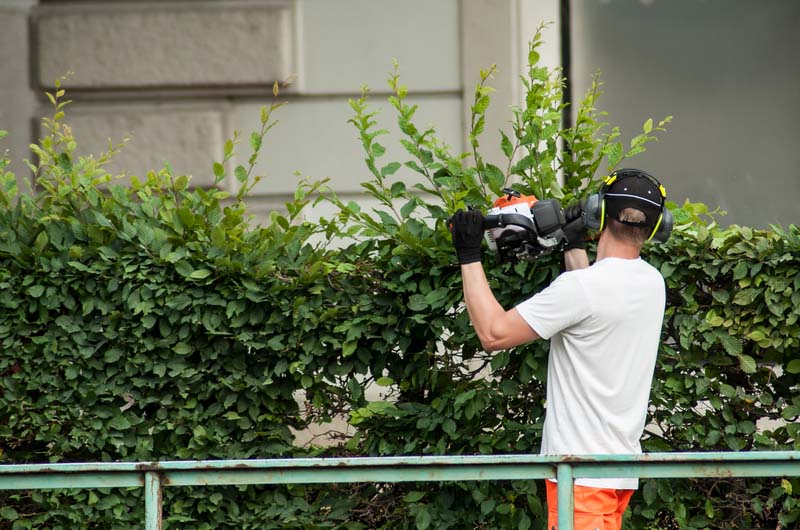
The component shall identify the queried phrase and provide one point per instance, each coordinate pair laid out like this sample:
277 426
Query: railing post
566 499
152 501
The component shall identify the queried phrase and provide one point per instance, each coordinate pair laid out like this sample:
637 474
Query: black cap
632 188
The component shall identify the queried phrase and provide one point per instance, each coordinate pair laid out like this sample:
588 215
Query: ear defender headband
595 208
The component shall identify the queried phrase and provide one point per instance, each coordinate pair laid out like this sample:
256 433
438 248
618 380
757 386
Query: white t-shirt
604 325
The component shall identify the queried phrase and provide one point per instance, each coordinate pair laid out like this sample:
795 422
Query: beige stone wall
140 45
17 100
160 75
186 134
180 76
177 78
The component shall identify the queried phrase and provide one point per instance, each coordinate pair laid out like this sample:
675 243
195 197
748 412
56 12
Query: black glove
575 230
467 229
573 211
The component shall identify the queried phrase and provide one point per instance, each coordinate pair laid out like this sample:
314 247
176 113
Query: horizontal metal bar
56 480
391 461
688 469
397 469
328 475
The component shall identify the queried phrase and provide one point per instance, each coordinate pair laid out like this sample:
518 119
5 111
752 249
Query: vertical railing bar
152 501
566 500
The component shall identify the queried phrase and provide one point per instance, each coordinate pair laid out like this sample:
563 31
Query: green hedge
154 322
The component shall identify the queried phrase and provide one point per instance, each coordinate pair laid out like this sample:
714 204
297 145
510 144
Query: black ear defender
594 207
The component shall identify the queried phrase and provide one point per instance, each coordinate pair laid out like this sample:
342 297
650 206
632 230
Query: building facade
179 77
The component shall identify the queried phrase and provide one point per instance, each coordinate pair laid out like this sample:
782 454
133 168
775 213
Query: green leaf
423 519
741 270
414 496
255 141
793 367
747 364
494 179
349 347
182 348
488 506
709 509
377 150
714 319
650 491
721 296
417 302
240 173
181 183
398 188
8 513
390 169
119 423
112 355
35 291
408 207
41 242
478 128
614 154
199 274
505 145
199 432
732 345
481 105
186 216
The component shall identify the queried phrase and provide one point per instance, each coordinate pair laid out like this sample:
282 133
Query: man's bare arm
496 328
575 259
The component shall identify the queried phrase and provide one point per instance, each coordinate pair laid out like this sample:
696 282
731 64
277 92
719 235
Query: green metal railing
154 476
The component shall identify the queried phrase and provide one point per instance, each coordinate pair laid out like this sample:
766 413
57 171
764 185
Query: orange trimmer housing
509 203
511 200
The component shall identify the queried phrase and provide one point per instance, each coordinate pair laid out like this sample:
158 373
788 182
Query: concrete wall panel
129 44
349 43
314 138
17 103
189 137
497 32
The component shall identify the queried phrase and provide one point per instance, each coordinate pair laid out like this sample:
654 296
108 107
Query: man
604 324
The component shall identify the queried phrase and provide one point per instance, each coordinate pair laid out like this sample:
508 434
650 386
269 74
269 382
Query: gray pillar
498 32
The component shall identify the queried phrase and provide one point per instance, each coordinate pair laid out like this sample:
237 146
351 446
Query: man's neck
609 247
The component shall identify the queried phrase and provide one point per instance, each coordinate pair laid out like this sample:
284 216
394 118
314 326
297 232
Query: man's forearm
482 305
575 259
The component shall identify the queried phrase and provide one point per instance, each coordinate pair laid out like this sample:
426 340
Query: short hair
635 234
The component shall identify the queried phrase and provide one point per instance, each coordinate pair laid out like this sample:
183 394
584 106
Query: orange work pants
595 508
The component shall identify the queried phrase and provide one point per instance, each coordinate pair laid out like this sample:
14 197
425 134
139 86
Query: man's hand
467 230
575 230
